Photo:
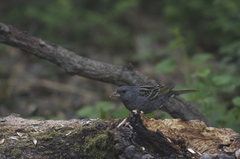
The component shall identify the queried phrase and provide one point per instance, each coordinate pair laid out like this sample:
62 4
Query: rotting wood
139 137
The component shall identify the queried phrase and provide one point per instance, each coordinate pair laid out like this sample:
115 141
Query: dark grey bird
146 98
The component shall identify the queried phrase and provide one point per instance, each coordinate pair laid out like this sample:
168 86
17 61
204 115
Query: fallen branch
74 64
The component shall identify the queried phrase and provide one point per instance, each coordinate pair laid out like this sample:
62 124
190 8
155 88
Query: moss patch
99 146
75 141
15 152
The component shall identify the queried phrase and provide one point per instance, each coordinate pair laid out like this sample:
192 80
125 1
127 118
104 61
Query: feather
153 92
183 92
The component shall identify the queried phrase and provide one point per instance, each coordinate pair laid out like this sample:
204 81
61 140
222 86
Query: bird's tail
183 92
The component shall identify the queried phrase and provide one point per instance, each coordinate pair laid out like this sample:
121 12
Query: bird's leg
127 123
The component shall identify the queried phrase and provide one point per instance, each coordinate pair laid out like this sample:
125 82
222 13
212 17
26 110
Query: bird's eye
124 91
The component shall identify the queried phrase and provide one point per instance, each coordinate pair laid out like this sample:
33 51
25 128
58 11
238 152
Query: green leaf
151 115
199 59
204 72
121 113
88 111
166 66
236 101
98 110
103 114
222 79
104 105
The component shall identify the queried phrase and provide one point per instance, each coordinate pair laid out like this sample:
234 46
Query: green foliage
99 110
82 22
203 73
205 18
236 101
166 66
120 113
103 110
213 25
216 96
200 59
216 83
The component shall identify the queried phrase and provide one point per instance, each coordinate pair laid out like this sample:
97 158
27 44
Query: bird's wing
153 92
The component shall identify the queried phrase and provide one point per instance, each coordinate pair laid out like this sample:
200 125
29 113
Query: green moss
52 134
15 152
99 146
48 152
63 141
86 141
77 147
99 140
81 130
59 145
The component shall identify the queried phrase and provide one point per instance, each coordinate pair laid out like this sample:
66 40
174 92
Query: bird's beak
115 94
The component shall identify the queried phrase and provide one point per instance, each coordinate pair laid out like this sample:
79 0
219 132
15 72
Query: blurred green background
190 44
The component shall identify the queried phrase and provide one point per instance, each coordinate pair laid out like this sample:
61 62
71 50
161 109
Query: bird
146 98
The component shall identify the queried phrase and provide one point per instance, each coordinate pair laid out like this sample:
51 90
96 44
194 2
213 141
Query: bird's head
125 93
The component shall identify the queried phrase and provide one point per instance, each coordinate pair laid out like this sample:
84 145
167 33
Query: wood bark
138 137
74 64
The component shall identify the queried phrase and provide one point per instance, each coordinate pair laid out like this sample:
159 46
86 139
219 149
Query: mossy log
135 137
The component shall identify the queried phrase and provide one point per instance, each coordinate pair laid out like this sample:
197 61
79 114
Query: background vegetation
190 44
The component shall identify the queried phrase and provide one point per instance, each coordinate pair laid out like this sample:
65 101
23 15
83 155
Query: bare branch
74 64
70 61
